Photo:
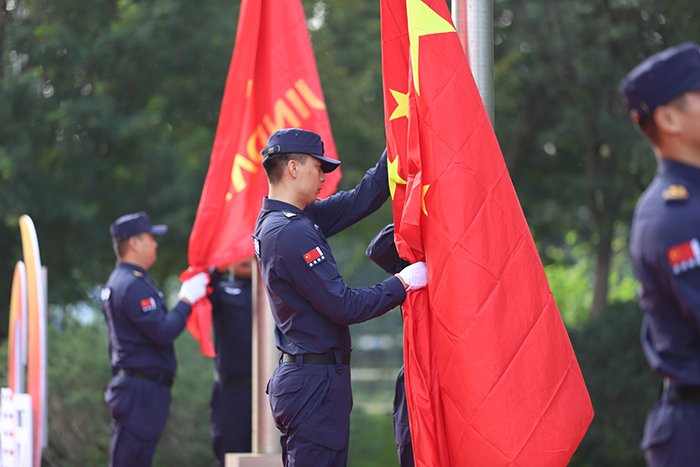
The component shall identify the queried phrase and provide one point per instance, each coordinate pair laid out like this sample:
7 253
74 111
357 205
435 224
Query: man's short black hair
274 165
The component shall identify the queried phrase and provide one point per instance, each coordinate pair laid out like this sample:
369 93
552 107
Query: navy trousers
311 406
230 415
672 433
402 430
139 410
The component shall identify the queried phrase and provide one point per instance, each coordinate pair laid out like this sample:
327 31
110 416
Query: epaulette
290 215
138 273
675 193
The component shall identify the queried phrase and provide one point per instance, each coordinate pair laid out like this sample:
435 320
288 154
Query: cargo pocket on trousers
285 399
658 428
333 438
118 398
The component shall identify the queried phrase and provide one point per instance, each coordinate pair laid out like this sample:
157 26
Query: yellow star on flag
423 21
425 190
401 109
394 178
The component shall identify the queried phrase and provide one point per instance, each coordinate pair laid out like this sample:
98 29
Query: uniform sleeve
382 250
149 315
323 287
345 208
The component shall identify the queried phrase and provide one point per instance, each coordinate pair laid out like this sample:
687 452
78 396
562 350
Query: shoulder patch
684 256
105 293
148 304
138 273
675 193
314 257
290 215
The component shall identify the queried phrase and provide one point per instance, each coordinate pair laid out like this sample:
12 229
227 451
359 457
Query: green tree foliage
575 158
106 108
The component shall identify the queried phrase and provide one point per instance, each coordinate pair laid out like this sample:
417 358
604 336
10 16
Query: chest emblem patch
314 257
148 304
232 290
684 256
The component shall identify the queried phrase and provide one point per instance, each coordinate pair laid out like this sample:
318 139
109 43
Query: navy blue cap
134 224
661 78
299 141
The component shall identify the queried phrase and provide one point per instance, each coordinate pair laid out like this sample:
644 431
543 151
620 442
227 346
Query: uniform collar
277 205
679 169
131 267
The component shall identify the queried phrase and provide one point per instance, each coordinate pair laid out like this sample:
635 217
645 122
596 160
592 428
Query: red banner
272 84
491 377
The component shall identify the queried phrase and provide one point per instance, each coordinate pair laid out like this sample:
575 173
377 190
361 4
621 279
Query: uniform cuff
396 288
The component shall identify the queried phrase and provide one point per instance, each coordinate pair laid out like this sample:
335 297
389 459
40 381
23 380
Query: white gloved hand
415 275
194 288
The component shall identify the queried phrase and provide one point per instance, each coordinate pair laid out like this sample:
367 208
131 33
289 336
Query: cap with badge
296 140
661 78
134 224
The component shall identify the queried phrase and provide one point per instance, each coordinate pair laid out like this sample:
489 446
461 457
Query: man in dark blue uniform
141 335
663 95
382 250
309 391
230 410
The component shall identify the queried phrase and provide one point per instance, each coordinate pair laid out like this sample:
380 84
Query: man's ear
293 167
668 119
133 241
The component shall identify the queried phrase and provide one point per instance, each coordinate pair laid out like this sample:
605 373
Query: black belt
317 358
687 393
222 377
163 379
682 393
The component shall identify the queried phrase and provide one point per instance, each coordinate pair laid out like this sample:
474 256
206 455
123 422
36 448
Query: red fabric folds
491 377
272 84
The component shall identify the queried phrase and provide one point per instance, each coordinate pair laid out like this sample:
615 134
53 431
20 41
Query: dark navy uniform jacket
311 304
233 326
141 331
666 256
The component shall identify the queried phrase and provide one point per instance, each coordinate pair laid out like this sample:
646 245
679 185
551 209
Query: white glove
194 288
415 275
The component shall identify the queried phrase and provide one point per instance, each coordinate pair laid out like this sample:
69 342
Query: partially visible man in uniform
382 250
141 335
309 391
230 411
663 95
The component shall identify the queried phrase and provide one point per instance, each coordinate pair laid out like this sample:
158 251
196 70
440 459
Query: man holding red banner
141 335
309 391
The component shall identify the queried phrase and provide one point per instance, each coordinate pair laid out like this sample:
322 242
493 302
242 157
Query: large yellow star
423 21
394 178
425 190
401 109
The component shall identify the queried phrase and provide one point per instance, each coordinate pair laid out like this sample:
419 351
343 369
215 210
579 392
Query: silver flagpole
474 22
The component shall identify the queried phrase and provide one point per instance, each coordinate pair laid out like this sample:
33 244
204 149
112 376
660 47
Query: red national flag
272 84
491 377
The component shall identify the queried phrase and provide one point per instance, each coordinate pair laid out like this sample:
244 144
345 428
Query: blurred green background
110 106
